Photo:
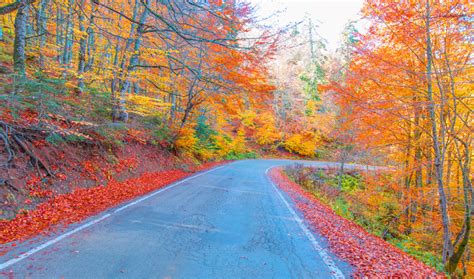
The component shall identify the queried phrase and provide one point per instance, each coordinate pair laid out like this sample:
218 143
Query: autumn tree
169 60
407 86
21 8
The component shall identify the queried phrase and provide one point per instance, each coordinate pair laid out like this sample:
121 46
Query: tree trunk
68 36
438 158
172 109
411 208
465 233
448 175
91 39
113 83
20 41
8 8
30 28
120 113
59 32
42 32
82 52
418 164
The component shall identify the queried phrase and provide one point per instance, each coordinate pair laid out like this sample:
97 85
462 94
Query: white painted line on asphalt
95 221
51 242
337 273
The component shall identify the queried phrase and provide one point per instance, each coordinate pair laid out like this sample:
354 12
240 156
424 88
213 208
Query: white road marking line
95 221
337 273
51 242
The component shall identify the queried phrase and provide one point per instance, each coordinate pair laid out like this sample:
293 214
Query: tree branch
15 6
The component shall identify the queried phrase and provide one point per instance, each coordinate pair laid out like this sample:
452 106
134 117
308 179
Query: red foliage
33 185
84 202
6 115
370 255
90 169
129 163
61 176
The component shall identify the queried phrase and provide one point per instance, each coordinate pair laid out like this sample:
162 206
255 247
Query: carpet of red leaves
62 210
371 256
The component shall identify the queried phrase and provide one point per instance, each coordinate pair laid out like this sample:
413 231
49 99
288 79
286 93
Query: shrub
241 156
162 134
266 132
186 140
349 183
341 206
301 144
112 134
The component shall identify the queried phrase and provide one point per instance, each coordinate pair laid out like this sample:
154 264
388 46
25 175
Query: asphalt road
229 222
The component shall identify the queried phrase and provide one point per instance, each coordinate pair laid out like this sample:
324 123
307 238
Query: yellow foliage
206 154
303 144
311 107
238 145
267 133
227 145
144 105
247 117
187 140
222 142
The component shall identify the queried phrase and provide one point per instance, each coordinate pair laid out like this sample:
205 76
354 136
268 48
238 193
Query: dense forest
86 84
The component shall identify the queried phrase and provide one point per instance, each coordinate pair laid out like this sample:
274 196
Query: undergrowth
380 215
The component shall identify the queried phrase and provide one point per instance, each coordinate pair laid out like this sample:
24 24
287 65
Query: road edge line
98 219
337 273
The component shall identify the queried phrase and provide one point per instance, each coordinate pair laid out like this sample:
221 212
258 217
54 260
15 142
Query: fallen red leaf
82 203
371 256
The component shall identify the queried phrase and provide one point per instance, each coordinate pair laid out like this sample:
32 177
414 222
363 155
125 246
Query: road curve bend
228 222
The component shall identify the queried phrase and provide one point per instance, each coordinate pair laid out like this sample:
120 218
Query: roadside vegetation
369 255
369 199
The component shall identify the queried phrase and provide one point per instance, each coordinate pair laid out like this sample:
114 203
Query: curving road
229 222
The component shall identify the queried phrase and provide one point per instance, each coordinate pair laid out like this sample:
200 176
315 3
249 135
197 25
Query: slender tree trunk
113 83
69 35
30 28
172 109
91 39
465 233
408 179
20 41
117 113
59 32
120 113
189 105
81 65
42 31
448 175
438 163
418 162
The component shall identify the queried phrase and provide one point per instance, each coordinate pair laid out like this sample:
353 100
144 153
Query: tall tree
407 85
